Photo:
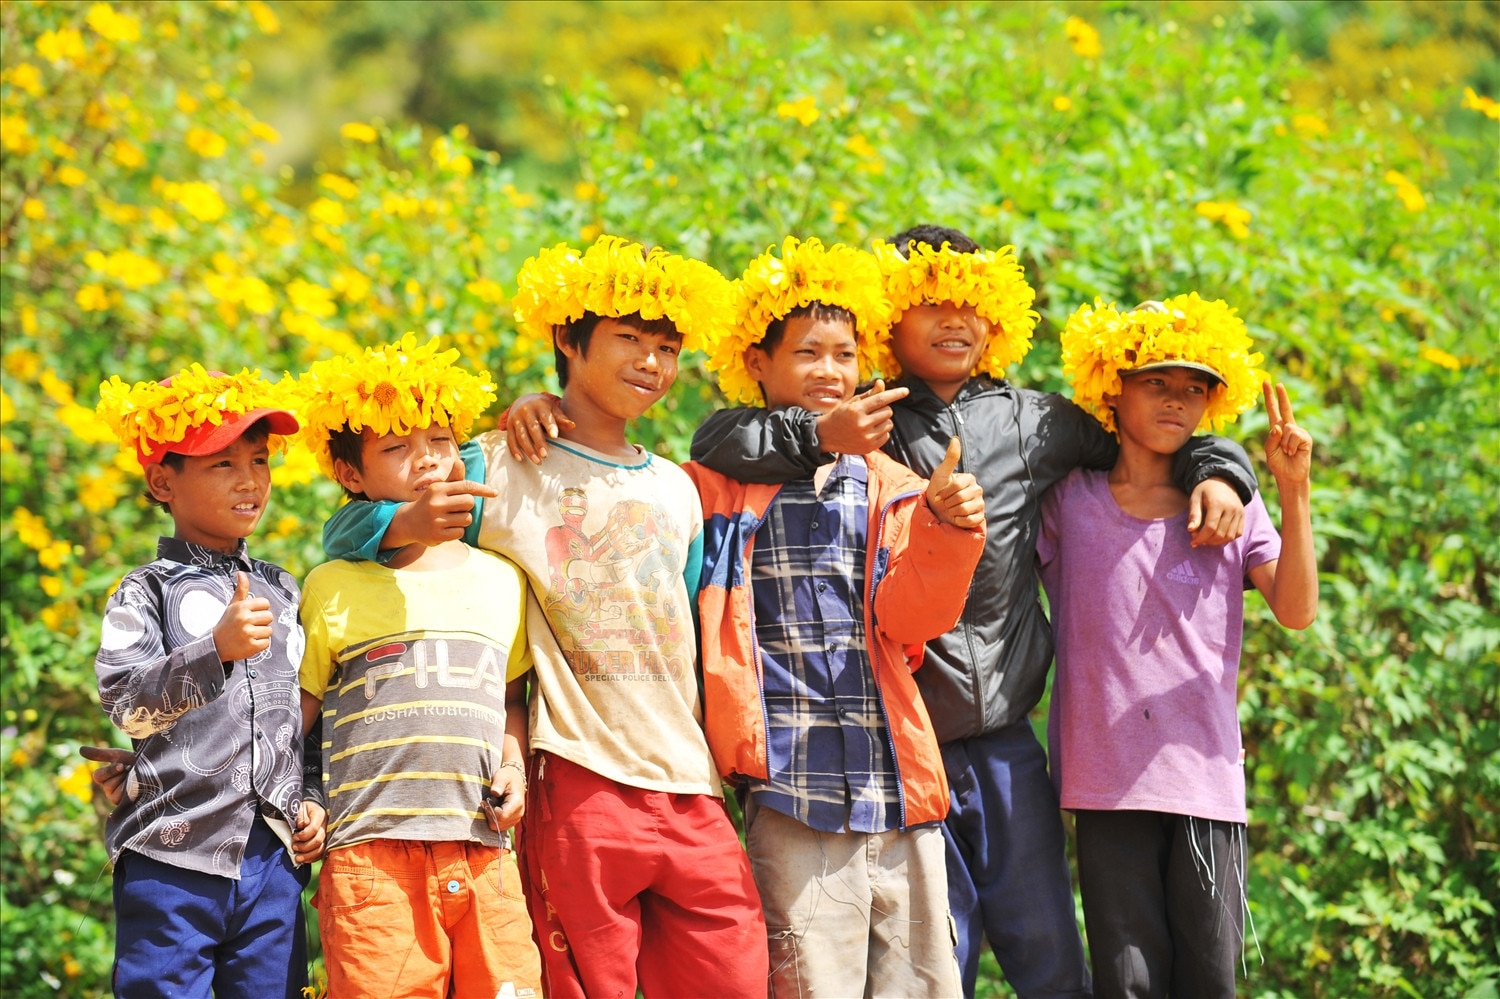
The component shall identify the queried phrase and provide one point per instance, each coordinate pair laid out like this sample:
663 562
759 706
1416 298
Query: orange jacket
917 572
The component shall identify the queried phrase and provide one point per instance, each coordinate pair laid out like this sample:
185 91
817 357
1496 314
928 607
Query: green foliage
1171 159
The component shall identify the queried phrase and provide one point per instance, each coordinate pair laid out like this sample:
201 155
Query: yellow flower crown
990 281
773 286
1100 343
148 417
392 389
616 278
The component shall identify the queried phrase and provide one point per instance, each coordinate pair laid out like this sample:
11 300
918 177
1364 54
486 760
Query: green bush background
141 229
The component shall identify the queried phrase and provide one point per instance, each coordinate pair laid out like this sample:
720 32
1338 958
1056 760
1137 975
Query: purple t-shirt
1148 634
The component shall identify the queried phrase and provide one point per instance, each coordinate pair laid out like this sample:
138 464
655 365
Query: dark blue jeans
188 934
1008 876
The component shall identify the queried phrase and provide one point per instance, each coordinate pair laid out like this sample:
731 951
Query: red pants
631 888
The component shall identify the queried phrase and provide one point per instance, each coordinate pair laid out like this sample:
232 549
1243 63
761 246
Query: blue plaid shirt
830 759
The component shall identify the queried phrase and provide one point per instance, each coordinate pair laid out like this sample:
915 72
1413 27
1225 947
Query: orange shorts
406 918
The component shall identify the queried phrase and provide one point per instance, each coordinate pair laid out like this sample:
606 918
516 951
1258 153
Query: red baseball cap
211 438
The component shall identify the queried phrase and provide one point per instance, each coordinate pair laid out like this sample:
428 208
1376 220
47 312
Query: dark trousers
1008 876
1163 903
181 933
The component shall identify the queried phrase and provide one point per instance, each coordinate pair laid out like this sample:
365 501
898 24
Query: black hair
934 236
580 332
348 446
258 431
817 311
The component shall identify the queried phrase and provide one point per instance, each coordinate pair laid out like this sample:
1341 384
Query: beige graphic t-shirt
606 544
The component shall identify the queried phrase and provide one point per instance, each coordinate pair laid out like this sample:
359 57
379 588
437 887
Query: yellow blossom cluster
1100 343
1486 106
993 282
147 415
804 110
803 273
391 389
615 278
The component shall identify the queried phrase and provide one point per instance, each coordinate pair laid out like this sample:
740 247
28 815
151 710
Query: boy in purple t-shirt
1144 731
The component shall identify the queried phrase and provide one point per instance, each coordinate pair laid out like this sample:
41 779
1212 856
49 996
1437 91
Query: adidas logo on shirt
1183 573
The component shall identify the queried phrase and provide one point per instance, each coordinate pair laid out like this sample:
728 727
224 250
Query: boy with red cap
197 663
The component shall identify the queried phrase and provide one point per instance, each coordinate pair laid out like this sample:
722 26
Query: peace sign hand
1288 446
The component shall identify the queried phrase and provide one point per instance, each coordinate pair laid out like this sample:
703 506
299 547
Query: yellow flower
298 468
993 282
1099 342
1409 193
131 269
1441 358
460 164
29 78
31 530
1233 217
265 17
71 175
64 43
7 408
775 284
615 278
202 200
313 299
15 134
77 781
1478 102
343 187
210 145
55 388
51 585
1084 39
391 389
92 298
264 132
127 153
1309 125
486 290
20 361
33 209
1062 102
517 199
84 423
116 27
147 415
358 132
186 102
53 555
327 211
803 109
351 284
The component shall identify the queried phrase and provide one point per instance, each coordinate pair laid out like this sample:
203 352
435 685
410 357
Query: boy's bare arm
1290 583
506 801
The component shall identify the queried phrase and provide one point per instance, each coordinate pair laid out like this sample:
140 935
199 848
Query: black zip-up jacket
991 670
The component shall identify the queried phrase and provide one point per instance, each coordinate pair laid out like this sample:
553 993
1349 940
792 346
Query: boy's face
216 499
1159 409
940 344
399 466
624 372
815 366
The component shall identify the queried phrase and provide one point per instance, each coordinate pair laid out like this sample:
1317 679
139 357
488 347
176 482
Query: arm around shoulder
759 445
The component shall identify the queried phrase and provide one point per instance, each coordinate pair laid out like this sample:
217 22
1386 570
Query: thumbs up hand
244 629
954 496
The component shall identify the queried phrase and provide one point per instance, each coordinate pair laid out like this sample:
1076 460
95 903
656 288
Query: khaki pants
853 914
